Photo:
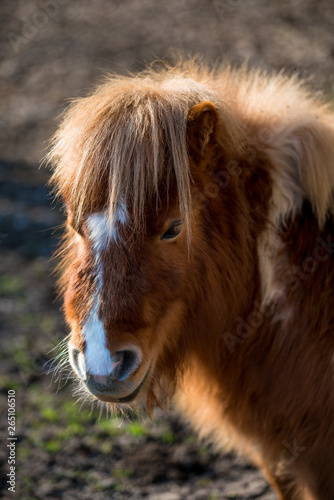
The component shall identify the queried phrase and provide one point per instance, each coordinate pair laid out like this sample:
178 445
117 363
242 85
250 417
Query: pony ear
202 127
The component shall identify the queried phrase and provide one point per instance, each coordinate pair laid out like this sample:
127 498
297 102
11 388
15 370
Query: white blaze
97 356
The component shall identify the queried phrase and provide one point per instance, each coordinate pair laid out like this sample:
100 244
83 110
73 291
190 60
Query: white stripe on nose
97 359
97 355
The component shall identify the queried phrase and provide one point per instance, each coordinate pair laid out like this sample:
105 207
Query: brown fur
236 315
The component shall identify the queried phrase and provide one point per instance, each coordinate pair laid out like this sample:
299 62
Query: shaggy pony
198 258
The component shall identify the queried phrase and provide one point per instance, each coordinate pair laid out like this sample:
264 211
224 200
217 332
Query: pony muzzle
116 382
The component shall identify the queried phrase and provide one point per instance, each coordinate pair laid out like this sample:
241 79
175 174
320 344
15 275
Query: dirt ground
52 50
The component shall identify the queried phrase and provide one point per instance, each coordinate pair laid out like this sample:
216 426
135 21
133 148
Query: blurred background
50 51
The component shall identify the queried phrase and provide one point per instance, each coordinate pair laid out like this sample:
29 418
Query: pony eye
173 231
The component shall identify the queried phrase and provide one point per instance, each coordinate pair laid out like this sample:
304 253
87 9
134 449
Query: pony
197 262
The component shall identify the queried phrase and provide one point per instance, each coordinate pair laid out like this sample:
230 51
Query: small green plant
52 445
136 429
110 427
49 414
168 437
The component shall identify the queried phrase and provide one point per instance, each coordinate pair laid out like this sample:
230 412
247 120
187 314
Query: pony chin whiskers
59 366
83 397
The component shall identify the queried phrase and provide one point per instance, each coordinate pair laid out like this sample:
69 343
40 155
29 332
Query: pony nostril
128 362
120 366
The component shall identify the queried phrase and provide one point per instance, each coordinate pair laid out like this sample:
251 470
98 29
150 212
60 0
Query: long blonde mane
123 139
131 132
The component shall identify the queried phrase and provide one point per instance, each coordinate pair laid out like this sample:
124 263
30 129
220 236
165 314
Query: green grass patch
24 359
23 452
106 447
74 429
122 473
109 426
168 437
11 285
52 445
74 414
50 414
7 383
40 399
21 351
136 429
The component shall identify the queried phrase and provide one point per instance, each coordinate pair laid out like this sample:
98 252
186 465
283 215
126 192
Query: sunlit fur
236 315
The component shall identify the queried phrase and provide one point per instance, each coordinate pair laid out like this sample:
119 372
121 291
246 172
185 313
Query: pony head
163 199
